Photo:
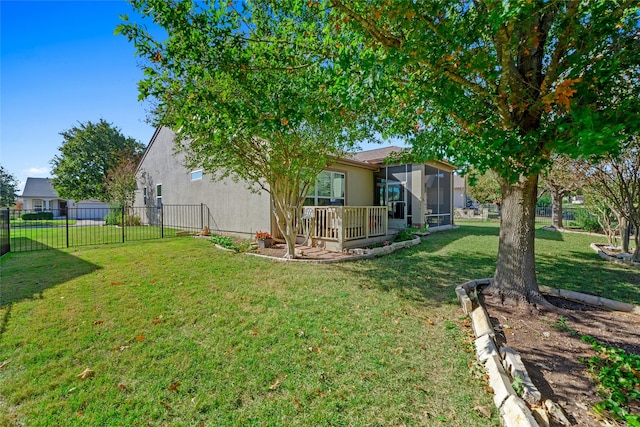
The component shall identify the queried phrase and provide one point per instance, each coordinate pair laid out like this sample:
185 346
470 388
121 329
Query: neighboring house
459 192
40 196
355 200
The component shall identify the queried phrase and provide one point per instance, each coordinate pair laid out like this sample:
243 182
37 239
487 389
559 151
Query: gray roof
377 155
39 187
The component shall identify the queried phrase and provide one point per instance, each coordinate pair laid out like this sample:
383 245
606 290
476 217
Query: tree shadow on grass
419 274
25 275
587 273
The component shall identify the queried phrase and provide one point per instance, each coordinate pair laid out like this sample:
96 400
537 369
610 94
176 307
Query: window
196 175
158 195
144 196
329 190
37 205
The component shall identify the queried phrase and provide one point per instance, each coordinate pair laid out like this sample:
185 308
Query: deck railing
343 223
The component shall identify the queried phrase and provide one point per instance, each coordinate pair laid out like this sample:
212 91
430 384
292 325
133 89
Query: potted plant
264 239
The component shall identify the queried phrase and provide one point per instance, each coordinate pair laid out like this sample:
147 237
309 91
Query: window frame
199 174
158 195
314 199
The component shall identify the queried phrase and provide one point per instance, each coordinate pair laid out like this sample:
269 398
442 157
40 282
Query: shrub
114 217
37 216
587 221
406 234
224 241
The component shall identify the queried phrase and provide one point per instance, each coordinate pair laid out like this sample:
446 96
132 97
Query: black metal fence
36 230
5 241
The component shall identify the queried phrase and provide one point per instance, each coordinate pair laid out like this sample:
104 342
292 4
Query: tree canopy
498 85
247 94
88 151
8 188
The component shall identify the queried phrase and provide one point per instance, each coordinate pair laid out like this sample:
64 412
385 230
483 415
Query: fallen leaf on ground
3 364
116 283
98 322
140 337
87 373
174 387
275 385
484 410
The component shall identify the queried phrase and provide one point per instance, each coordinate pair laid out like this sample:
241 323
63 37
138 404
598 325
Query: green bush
37 216
406 234
587 221
224 241
544 200
114 217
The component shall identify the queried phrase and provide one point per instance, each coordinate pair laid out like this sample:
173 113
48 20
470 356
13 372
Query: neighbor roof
39 187
377 155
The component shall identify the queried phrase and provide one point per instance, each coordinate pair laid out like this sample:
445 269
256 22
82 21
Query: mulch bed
552 353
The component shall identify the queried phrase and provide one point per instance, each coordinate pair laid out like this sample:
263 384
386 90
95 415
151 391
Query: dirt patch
307 253
550 347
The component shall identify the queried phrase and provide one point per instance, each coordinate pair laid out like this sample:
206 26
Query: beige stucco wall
232 208
359 184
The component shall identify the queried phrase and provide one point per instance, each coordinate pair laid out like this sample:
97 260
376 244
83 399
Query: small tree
485 188
245 98
564 176
617 179
121 182
8 188
88 151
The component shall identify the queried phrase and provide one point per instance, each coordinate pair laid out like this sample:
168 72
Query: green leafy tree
499 85
485 188
247 94
617 179
563 177
8 188
121 181
87 153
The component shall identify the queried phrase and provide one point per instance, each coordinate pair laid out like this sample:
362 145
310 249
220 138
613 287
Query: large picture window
329 190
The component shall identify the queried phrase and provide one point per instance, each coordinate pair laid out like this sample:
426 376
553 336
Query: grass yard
176 332
56 237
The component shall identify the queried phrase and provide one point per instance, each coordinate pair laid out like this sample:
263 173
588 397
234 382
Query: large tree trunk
515 277
556 207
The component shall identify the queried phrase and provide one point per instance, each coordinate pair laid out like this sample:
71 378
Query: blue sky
61 64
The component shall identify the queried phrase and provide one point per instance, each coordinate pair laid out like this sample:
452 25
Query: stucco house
40 196
356 200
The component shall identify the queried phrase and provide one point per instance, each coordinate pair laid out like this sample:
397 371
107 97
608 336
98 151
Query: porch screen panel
438 186
445 192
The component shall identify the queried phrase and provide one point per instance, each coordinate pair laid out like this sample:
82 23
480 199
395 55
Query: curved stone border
610 258
593 300
358 254
497 361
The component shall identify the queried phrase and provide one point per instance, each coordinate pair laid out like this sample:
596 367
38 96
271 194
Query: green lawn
56 237
178 332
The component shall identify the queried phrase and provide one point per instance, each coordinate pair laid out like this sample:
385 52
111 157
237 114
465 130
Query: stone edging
497 361
364 254
513 410
611 258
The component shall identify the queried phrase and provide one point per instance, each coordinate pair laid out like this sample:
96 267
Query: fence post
161 221
201 216
123 221
66 220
